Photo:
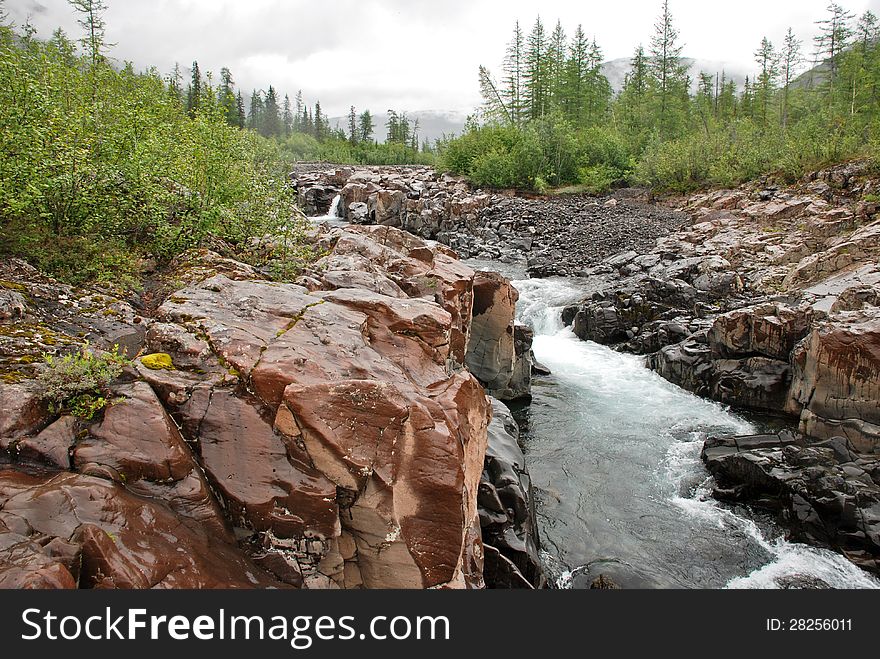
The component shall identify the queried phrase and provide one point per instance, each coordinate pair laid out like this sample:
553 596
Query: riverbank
257 434
263 398
745 296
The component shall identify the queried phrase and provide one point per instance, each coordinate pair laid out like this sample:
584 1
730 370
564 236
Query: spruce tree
298 112
241 115
768 60
91 19
321 123
833 38
365 126
352 126
175 81
576 78
634 96
228 101
556 57
255 118
414 137
287 117
514 76
194 94
598 88
860 64
790 59
271 123
747 100
667 71
726 102
536 82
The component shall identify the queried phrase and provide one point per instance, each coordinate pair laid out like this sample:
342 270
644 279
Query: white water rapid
614 453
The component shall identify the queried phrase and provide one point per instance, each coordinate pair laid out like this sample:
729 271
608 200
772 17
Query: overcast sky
407 54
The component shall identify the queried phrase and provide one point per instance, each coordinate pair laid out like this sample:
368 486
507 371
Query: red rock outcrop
333 426
114 539
139 446
376 431
836 386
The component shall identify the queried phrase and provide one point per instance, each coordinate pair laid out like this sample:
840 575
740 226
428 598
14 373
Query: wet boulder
492 354
770 330
507 512
824 491
122 540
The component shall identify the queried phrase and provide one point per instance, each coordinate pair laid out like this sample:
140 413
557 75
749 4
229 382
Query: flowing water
614 454
332 217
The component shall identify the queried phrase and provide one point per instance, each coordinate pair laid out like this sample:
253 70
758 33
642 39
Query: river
614 455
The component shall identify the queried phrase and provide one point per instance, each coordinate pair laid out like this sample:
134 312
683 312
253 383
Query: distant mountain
616 71
433 124
814 77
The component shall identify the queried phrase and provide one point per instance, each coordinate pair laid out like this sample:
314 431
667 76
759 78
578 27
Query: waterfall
334 207
332 217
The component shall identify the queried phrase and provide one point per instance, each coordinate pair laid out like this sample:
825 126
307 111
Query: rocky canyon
353 428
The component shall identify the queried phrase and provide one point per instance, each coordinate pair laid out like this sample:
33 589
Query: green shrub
100 166
598 179
494 169
79 382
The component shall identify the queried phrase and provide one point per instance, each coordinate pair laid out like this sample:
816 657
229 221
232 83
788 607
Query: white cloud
406 54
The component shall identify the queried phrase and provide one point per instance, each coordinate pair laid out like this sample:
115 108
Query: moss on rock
158 362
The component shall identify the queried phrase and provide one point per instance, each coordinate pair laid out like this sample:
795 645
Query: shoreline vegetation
551 120
106 172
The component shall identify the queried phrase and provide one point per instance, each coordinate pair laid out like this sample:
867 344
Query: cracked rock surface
324 434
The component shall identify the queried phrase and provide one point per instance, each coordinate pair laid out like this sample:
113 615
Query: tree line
303 130
551 118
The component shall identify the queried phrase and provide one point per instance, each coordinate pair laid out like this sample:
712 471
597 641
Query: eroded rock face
499 354
836 384
769 330
396 264
369 433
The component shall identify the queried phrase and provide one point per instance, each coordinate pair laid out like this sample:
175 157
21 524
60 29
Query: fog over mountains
616 71
433 124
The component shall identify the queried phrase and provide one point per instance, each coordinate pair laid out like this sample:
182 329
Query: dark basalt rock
824 492
506 506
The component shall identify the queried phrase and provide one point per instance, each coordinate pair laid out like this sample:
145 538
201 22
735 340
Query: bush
99 167
494 169
459 155
79 382
545 153
598 179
